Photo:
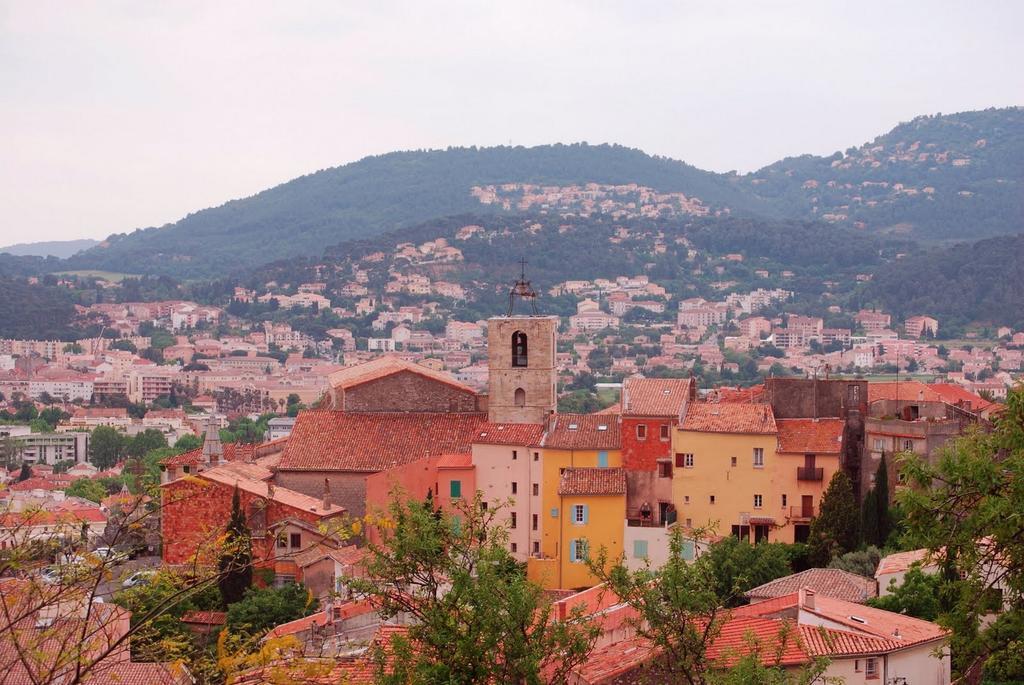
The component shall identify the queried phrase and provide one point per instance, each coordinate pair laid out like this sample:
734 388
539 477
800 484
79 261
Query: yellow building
592 503
742 473
572 441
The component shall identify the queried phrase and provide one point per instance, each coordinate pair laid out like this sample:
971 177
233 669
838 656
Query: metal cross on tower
523 290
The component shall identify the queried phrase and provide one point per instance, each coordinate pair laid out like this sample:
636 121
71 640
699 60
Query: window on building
515 487
515 455
520 349
665 431
732 461
483 505
513 521
579 514
536 548
686 499
295 540
785 500
282 540
641 431
758 501
664 469
536 489
688 460
602 459
639 549
689 523
513 548
871 668
455 489
742 532
578 551
554 512
536 456
711 499
879 444
520 397
908 445
856 665
758 458
535 521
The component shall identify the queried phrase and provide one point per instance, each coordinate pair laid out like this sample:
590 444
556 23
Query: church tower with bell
521 358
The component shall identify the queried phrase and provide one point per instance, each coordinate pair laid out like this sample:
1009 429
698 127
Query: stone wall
537 379
348 488
805 398
409 392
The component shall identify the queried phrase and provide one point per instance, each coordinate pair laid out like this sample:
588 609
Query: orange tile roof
326 440
210 618
455 461
905 390
900 562
830 642
381 367
233 451
525 434
724 417
583 432
655 396
830 582
752 394
592 481
810 436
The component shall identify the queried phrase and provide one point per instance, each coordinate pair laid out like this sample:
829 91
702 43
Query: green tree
146 441
187 443
965 509
86 488
26 472
869 518
862 562
917 595
882 501
10 451
40 426
739 566
477 619
236 558
260 609
106 447
835 530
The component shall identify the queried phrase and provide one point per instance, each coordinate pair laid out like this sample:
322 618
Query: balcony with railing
809 473
802 512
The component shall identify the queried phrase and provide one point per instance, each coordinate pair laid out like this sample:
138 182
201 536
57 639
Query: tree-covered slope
983 282
383 193
942 177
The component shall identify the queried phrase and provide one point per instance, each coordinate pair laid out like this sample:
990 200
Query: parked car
138 578
109 554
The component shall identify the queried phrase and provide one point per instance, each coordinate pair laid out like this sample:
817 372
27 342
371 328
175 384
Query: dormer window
520 349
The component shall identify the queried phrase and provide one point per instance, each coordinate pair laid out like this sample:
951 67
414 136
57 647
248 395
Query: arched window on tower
520 397
519 349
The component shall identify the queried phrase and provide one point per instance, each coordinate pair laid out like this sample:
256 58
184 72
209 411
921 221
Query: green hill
952 177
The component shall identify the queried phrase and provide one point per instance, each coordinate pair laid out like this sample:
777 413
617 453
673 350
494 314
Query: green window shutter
456 525
456 488
586 514
639 549
602 459
687 550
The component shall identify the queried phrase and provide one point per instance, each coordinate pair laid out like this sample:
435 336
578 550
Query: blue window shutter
572 551
456 525
554 512
602 459
639 549
688 550
586 514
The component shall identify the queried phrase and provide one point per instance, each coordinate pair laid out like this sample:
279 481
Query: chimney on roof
270 490
213 451
806 598
327 494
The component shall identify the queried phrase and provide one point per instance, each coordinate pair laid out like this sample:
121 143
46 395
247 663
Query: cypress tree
882 502
236 559
869 518
26 472
836 528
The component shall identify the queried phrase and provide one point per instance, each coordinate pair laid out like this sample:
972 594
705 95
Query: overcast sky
119 115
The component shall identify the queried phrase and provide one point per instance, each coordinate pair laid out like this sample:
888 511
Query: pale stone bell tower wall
521 357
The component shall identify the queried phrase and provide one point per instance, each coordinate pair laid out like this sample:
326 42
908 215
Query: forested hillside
35 311
983 282
958 176
379 194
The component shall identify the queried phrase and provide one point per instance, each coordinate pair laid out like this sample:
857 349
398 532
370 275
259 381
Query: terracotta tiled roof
829 582
900 562
752 394
724 417
525 434
829 642
953 394
382 367
324 440
810 436
210 618
255 479
233 451
138 673
733 642
583 432
906 390
101 412
455 461
592 481
655 396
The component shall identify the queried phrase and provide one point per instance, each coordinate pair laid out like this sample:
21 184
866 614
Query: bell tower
522 386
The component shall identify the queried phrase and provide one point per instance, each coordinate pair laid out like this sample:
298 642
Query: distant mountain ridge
968 185
50 248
